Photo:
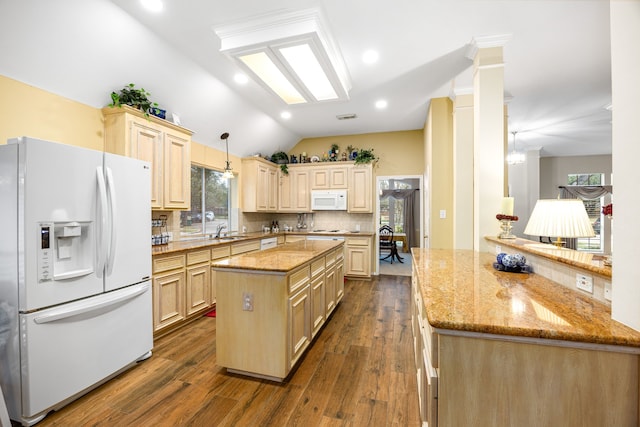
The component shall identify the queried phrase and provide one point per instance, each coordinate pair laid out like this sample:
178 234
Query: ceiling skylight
291 54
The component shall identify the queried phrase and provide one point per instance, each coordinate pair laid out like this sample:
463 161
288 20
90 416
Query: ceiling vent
346 116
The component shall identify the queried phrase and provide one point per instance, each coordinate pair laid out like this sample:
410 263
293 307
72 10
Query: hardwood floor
359 371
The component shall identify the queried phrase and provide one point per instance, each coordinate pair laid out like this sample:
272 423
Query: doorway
399 204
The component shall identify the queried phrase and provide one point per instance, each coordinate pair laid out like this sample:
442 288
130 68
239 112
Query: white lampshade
559 218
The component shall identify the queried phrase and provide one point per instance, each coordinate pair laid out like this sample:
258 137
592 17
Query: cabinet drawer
299 278
220 252
196 257
290 238
168 263
281 240
243 247
330 258
317 267
339 254
358 241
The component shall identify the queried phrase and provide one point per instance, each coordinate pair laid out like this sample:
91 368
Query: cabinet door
330 289
301 195
339 177
320 179
146 144
272 202
198 288
262 189
318 315
168 299
360 189
299 324
357 262
177 172
285 193
339 280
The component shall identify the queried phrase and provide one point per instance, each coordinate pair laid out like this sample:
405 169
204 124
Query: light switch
443 213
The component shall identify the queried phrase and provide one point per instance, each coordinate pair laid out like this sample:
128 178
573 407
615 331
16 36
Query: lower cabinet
358 257
278 314
183 286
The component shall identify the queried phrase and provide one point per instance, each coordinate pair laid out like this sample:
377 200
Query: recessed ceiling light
381 104
370 57
285 115
241 79
152 5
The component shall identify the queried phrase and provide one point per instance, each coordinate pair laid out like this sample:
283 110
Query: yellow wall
439 154
400 153
29 111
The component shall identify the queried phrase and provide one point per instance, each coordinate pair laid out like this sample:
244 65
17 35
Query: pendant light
515 157
228 172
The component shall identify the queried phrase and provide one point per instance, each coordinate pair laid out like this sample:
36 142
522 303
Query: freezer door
56 206
69 348
128 187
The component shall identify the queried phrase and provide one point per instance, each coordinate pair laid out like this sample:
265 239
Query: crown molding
484 42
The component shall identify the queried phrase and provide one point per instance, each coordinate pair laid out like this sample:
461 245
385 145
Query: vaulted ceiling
557 65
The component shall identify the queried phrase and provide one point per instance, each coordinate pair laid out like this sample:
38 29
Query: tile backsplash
324 220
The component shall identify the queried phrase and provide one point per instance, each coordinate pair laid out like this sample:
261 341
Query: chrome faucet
220 228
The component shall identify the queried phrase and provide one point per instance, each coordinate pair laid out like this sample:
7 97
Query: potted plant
136 98
280 157
365 156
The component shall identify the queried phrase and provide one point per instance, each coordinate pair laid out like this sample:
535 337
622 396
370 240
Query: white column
489 140
625 85
463 205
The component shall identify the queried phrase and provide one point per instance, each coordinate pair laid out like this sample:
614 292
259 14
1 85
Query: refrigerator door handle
88 307
102 243
113 232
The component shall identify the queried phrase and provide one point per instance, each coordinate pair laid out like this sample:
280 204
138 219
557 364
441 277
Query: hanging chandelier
228 172
515 157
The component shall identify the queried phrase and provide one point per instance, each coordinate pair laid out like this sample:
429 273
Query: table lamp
559 218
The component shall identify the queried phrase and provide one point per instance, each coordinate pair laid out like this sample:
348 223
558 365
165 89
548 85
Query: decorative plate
315 159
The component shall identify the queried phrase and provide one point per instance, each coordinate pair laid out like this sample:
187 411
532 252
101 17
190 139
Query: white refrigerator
75 269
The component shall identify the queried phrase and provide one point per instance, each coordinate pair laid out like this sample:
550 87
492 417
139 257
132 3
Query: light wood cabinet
259 185
329 177
339 276
360 198
198 292
217 254
330 283
168 291
299 324
318 308
286 310
293 194
165 146
358 257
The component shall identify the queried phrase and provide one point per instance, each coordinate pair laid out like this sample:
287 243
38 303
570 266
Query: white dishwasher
269 242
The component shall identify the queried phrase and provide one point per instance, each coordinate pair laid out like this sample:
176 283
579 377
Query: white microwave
329 200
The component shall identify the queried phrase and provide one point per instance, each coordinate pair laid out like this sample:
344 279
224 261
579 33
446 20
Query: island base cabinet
252 340
504 383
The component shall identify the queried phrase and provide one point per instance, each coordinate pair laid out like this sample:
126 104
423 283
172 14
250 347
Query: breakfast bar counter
516 348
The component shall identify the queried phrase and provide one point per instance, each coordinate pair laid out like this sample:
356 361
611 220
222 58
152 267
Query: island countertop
462 291
282 258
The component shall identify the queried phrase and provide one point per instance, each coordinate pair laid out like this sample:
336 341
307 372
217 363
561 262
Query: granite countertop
588 261
462 291
282 258
204 242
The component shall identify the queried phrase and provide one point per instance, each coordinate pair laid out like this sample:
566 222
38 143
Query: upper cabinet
327 176
293 194
265 188
259 185
360 197
161 143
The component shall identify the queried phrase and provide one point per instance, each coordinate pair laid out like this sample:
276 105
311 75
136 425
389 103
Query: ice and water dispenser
65 250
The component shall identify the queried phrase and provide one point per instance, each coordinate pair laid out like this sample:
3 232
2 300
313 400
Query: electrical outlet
247 301
607 291
584 282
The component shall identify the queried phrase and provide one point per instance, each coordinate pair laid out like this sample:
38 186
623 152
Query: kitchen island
516 349
271 304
